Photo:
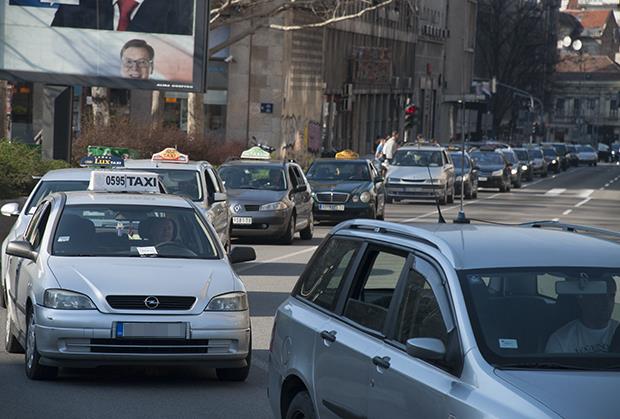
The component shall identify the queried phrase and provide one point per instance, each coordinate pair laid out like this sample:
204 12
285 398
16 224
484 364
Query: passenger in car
593 331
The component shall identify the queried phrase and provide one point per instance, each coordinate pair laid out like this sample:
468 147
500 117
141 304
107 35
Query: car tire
301 407
11 344
518 183
443 200
289 236
308 232
469 191
450 198
34 369
236 374
502 187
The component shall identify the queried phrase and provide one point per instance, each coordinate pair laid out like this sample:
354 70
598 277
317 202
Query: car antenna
440 219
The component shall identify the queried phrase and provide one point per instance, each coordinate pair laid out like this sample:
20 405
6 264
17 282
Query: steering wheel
175 249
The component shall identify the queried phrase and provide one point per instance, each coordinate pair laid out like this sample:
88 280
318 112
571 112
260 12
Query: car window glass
374 287
293 177
299 176
419 315
321 283
34 221
47 187
211 187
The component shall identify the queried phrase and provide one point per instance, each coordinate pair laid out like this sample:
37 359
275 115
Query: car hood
348 186
586 154
574 394
99 277
414 172
490 167
255 196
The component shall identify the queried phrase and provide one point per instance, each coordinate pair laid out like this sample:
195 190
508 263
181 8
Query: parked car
269 199
494 170
587 155
450 320
552 159
466 175
527 165
344 189
421 172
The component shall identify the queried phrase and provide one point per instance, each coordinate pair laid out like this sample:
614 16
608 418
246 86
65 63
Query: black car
493 169
268 199
344 189
551 158
466 174
527 169
562 151
571 155
516 173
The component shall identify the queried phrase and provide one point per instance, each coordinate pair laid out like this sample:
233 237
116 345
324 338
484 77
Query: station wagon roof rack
574 228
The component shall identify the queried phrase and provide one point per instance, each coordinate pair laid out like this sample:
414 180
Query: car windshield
570 149
549 152
560 148
510 156
132 231
181 182
339 171
457 159
262 177
417 158
522 155
585 149
545 317
536 153
47 187
489 157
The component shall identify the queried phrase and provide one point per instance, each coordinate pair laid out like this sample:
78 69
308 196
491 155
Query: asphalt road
585 195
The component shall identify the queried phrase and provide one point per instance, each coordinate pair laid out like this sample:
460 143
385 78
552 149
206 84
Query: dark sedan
344 189
494 170
466 175
552 159
526 164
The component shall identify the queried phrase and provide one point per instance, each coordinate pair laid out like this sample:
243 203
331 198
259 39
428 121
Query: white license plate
150 330
397 189
331 207
414 190
482 179
242 220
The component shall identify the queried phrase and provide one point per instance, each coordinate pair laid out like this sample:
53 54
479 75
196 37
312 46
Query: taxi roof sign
123 181
102 161
256 153
170 155
347 155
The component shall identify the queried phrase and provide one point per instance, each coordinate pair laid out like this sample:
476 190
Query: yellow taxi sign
256 153
347 155
123 181
170 155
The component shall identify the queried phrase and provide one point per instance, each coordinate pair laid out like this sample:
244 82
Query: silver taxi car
450 321
104 278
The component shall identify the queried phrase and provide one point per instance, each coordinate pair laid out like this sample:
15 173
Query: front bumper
86 339
351 210
264 223
487 181
417 191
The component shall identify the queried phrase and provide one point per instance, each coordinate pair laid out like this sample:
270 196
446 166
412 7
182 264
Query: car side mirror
476 168
240 254
219 197
10 210
300 188
22 249
426 348
379 179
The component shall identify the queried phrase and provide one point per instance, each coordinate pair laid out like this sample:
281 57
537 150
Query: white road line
555 192
585 193
568 211
428 214
288 255
556 220
607 185
585 201
601 189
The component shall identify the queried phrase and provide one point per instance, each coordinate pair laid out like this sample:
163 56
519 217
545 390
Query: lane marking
568 211
585 201
556 220
288 255
585 193
607 185
555 191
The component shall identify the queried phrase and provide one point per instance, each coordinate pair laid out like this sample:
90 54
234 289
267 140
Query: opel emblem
151 302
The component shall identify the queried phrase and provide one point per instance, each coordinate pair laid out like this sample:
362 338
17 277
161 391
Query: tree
514 45
4 122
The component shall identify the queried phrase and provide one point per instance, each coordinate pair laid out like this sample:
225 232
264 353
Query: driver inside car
593 331
163 230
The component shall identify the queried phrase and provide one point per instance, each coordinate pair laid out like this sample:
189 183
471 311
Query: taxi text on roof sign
347 155
170 155
256 153
117 181
102 161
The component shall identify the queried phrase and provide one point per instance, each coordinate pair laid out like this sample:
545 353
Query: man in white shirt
593 331
390 147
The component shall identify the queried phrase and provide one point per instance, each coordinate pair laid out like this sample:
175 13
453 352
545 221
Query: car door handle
382 362
329 336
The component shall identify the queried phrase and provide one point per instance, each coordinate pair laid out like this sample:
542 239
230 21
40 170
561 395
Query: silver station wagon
451 321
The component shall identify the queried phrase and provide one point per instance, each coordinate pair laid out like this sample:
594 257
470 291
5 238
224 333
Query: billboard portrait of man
173 17
137 59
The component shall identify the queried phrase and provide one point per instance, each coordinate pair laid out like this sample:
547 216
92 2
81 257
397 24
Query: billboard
125 44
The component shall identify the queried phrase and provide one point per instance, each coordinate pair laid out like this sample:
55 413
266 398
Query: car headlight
554 161
67 300
524 168
459 178
393 180
497 173
274 206
233 301
365 197
436 181
514 171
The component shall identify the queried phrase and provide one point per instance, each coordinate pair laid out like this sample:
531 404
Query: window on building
613 108
577 107
560 106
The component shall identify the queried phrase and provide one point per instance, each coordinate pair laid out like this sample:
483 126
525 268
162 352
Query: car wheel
301 407
518 183
443 200
307 233
11 344
236 374
289 236
450 198
35 370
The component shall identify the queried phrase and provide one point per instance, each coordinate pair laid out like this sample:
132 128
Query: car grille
136 302
149 346
252 207
337 197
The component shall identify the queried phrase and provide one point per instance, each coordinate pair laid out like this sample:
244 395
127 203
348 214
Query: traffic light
411 116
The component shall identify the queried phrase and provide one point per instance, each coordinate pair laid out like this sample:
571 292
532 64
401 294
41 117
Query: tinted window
536 153
418 158
457 159
373 289
585 149
490 157
510 156
181 182
341 171
560 148
322 281
47 187
549 152
522 155
253 177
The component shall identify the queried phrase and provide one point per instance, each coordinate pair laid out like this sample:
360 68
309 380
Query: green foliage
18 164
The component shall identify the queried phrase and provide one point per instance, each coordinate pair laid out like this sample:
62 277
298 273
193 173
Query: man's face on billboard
136 63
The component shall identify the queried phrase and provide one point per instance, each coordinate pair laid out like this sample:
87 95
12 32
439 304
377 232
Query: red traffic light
411 109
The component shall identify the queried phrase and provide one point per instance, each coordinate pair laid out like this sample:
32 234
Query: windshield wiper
543 366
